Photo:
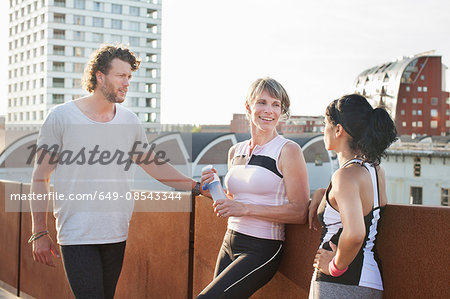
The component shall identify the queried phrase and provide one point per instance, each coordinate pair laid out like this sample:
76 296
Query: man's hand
44 250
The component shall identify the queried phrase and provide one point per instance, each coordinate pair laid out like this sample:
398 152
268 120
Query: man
86 143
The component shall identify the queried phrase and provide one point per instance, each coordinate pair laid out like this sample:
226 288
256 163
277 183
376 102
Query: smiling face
264 112
114 85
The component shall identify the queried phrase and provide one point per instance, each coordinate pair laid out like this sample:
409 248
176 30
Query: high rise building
50 42
414 91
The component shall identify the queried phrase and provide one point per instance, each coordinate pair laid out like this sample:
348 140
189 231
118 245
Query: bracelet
36 236
334 271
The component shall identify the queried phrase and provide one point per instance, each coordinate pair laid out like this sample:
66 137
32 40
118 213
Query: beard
109 93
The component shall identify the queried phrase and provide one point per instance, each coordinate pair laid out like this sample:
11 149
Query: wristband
334 271
36 236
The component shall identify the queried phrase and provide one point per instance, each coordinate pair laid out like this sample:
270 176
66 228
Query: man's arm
165 173
43 248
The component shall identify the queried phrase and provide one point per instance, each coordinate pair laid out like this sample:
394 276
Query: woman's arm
293 166
313 206
346 193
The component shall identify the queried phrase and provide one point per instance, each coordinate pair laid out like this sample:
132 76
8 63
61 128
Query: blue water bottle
215 187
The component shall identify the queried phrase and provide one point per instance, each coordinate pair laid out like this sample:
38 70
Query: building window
58 66
433 124
414 101
447 123
134 26
99 6
58 99
404 100
150 102
134 11
417 166
404 124
59 18
151 57
80 4
407 88
414 124
78 51
150 87
134 102
61 3
76 83
97 37
97 22
151 13
116 38
434 101
134 41
152 28
419 112
79 20
134 86
425 89
414 112
422 77
116 24
419 100
78 35
58 82
419 88
78 67
415 196
59 34
150 117
151 42
150 73
420 124
445 196
433 112
116 8
447 112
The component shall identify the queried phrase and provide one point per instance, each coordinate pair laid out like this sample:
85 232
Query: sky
213 50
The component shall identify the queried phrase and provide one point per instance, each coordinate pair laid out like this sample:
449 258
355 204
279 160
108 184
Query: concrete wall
159 262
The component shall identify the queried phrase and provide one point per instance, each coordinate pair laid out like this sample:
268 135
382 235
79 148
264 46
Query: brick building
414 91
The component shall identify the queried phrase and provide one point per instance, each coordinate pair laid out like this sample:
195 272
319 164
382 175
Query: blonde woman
267 186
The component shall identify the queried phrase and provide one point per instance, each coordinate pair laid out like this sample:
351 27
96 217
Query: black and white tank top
364 270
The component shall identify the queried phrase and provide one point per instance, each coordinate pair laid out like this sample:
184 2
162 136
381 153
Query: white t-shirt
92 173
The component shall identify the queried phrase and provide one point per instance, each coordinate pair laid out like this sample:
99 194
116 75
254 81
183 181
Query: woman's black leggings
93 270
244 265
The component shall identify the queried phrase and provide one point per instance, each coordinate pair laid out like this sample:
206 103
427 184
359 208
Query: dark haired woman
350 208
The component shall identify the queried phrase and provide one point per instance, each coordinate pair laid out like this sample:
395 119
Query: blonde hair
275 90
